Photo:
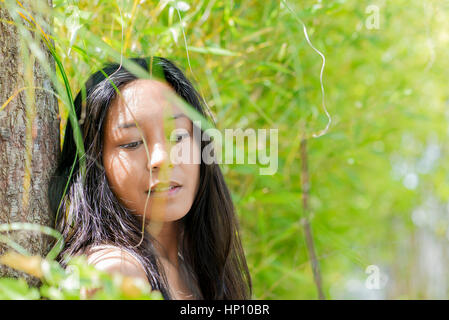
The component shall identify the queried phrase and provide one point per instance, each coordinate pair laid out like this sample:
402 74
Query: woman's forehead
141 99
147 86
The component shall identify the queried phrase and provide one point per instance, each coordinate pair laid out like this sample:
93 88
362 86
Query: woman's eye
179 137
132 145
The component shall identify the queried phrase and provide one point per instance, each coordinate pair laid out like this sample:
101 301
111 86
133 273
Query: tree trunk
29 138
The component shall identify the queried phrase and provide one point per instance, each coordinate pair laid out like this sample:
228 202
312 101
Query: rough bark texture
17 204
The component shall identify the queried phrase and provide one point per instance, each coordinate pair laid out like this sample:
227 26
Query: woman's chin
161 216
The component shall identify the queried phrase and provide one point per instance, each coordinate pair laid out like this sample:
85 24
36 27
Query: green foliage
78 280
381 160
17 289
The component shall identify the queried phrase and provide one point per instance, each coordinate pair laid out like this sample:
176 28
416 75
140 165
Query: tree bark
29 139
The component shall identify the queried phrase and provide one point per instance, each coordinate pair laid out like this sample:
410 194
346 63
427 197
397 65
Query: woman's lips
165 191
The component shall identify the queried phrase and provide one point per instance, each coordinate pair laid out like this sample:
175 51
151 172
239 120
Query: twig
305 186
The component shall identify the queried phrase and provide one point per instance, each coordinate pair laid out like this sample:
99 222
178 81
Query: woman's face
132 169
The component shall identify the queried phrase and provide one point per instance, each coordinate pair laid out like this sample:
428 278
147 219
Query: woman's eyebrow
180 115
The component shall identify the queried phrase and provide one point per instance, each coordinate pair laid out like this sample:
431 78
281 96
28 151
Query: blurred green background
378 177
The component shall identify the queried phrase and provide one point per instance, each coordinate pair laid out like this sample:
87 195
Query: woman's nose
158 157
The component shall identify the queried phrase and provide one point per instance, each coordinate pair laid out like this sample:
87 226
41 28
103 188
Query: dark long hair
213 260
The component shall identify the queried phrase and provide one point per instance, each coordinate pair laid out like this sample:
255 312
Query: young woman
189 247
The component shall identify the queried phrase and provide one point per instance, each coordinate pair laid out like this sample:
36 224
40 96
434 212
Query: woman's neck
166 235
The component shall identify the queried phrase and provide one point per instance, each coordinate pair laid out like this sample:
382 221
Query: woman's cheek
117 168
118 165
193 173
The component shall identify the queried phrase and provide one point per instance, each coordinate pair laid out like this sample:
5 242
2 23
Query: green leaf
17 289
212 50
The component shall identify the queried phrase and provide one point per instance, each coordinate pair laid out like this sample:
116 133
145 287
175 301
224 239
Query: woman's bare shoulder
113 259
